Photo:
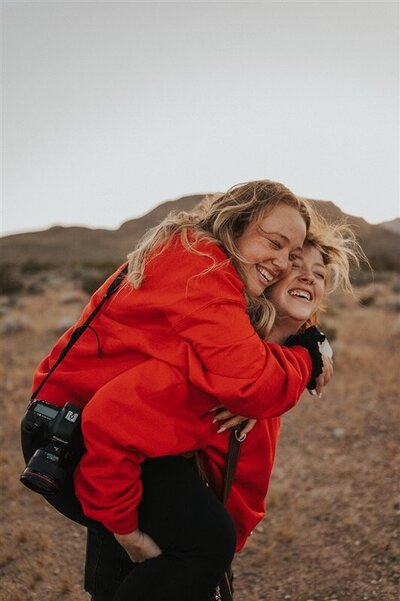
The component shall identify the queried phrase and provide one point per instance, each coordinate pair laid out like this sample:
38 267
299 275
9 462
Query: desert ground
331 531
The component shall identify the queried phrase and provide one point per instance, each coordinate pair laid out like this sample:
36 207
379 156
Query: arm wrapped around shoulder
228 360
222 354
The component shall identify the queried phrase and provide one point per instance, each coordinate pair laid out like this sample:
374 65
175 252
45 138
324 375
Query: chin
255 289
301 318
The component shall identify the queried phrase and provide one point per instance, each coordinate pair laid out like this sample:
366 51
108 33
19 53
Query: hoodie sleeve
205 304
228 360
143 412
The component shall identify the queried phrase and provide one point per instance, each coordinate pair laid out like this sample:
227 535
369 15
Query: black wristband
310 339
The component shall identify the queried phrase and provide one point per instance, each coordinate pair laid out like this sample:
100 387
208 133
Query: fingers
249 426
222 416
231 423
319 384
325 376
229 420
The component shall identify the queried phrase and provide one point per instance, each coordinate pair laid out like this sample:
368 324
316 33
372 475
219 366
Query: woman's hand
229 420
138 545
326 375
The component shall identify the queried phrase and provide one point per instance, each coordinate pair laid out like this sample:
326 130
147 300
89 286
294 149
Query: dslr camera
54 437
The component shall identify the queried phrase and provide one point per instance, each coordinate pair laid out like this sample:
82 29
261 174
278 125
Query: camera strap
235 440
77 332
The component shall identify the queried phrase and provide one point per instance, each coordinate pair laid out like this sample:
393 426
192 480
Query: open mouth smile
266 275
301 294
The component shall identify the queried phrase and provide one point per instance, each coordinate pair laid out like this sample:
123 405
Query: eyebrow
275 234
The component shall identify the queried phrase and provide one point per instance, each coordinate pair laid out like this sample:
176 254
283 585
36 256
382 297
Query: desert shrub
85 270
329 328
362 277
35 288
396 287
92 281
92 275
10 280
385 263
367 300
383 276
15 325
103 266
393 306
32 266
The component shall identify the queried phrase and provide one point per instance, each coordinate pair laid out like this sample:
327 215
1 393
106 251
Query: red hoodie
171 350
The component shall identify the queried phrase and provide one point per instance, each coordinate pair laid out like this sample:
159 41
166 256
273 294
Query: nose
307 276
281 260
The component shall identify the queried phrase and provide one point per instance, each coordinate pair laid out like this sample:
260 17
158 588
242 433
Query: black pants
192 528
186 520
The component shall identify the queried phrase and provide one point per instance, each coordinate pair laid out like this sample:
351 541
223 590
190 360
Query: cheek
320 291
250 250
243 245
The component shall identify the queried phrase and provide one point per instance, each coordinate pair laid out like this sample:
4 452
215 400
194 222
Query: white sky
110 108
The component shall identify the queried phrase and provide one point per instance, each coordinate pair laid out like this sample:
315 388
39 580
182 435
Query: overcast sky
110 108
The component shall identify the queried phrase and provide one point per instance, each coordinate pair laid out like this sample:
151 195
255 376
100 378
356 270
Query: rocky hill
392 226
76 245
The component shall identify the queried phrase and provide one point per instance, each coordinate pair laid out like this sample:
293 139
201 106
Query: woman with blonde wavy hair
297 300
185 333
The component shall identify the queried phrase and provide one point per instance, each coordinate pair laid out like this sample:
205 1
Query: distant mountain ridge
73 245
392 226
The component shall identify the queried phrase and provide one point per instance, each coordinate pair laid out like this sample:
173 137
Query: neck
283 328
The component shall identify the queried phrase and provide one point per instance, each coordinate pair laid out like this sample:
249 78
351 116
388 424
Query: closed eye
275 244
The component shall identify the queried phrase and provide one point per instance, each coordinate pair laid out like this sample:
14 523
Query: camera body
54 432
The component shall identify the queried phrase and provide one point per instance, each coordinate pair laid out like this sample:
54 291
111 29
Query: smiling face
268 245
299 293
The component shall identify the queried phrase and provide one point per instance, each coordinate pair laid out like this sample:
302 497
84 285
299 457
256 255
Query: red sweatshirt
246 500
171 350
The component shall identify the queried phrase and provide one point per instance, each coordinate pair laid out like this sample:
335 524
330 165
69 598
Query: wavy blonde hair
221 219
340 251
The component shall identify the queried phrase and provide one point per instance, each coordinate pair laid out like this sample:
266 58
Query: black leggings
192 528
182 515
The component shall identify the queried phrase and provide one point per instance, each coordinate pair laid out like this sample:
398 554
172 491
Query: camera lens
40 483
43 474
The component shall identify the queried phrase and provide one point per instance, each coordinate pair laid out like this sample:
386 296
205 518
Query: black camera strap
77 333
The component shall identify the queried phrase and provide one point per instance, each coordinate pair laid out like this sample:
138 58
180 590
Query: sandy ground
331 532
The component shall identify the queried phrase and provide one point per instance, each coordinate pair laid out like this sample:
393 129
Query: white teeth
301 294
264 273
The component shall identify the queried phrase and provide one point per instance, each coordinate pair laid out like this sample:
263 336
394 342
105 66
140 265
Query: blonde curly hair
221 219
340 251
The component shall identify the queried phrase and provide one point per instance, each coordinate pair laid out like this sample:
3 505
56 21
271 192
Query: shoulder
201 271
193 245
195 258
